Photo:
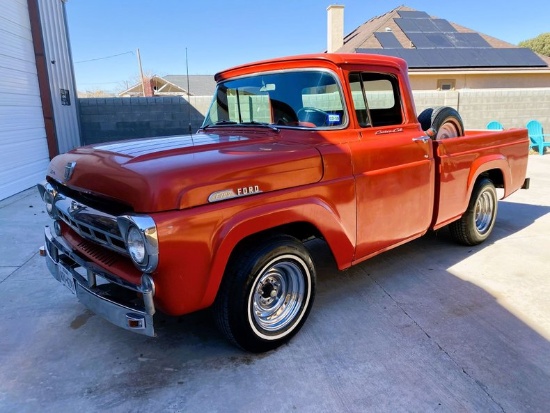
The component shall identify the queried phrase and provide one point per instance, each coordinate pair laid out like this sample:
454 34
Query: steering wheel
313 115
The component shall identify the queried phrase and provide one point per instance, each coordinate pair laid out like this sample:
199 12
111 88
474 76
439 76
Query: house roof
428 42
199 85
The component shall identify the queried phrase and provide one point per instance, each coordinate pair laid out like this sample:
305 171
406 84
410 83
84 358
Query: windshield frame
207 123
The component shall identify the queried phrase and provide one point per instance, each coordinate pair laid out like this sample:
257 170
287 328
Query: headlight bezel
144 230
48 194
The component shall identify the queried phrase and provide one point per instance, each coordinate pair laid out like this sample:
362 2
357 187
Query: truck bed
461 160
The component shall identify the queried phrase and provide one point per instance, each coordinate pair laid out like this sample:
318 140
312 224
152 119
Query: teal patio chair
495 125
537 135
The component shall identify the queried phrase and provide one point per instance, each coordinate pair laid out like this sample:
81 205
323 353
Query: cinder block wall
511 107
111 119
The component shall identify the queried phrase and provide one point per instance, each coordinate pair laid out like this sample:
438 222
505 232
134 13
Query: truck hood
177 172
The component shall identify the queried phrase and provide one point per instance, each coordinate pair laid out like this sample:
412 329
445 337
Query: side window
359 100
376 99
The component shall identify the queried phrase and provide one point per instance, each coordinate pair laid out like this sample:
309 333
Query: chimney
148 87
335 27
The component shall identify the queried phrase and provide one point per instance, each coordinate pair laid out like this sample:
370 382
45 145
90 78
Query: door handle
422 139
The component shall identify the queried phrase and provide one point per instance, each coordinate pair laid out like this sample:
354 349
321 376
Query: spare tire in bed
441 122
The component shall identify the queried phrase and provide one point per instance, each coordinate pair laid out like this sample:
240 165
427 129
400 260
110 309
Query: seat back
534 127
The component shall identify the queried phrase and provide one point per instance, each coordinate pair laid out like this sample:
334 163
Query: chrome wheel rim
483 216
279 294
448 130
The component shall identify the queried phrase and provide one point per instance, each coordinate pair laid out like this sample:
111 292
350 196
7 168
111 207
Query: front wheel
477 223
266 294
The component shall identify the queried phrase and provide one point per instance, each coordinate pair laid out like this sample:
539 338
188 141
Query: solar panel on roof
443 25
473 57
388 40
413 14
420 41
426 26
468 40
452 58
413 58
433 57
462 57
494 58
429 40
439 40
521 57
407 25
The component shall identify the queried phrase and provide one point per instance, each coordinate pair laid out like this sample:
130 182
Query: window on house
446 84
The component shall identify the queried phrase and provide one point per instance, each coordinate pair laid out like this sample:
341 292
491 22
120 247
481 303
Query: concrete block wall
111 119
511 107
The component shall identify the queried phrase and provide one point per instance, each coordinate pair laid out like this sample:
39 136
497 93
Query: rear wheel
477 223
442 122
266 294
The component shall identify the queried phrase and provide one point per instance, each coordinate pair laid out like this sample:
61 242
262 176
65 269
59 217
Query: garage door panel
16 46
17 82
15 117
22 178
16 99
16 11
22 154
16 26
11 63
22 135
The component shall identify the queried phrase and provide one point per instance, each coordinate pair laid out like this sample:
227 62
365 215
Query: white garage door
24 151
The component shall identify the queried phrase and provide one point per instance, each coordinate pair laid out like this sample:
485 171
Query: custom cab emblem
385 131
69 169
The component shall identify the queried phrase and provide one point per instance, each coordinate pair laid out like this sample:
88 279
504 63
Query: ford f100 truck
324 146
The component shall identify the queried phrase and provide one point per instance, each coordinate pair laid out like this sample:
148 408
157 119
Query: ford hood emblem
69 169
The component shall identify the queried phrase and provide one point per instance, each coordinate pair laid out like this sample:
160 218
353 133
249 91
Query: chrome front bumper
103 293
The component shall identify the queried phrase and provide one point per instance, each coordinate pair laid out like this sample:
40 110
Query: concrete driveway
428 327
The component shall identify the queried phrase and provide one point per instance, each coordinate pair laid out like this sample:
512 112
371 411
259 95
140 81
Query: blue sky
219 34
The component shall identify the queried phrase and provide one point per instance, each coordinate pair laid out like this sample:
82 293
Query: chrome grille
91 224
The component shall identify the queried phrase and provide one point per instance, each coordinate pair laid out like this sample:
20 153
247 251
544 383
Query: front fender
339 235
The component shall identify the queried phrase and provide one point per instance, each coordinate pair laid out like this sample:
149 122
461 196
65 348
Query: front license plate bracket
66 278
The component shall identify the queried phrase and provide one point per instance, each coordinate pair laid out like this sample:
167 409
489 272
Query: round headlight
136 246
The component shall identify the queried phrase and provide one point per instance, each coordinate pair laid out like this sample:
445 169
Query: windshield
304 99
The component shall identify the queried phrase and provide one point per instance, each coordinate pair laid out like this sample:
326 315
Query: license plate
66 278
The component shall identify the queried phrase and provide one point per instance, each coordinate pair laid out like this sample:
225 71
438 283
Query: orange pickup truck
324 146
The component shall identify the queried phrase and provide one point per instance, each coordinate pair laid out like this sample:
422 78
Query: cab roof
337 59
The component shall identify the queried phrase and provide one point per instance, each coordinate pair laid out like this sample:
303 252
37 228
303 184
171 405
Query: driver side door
393 167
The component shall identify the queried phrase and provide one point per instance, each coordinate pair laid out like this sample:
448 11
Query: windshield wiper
251 123
218 123
265 125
